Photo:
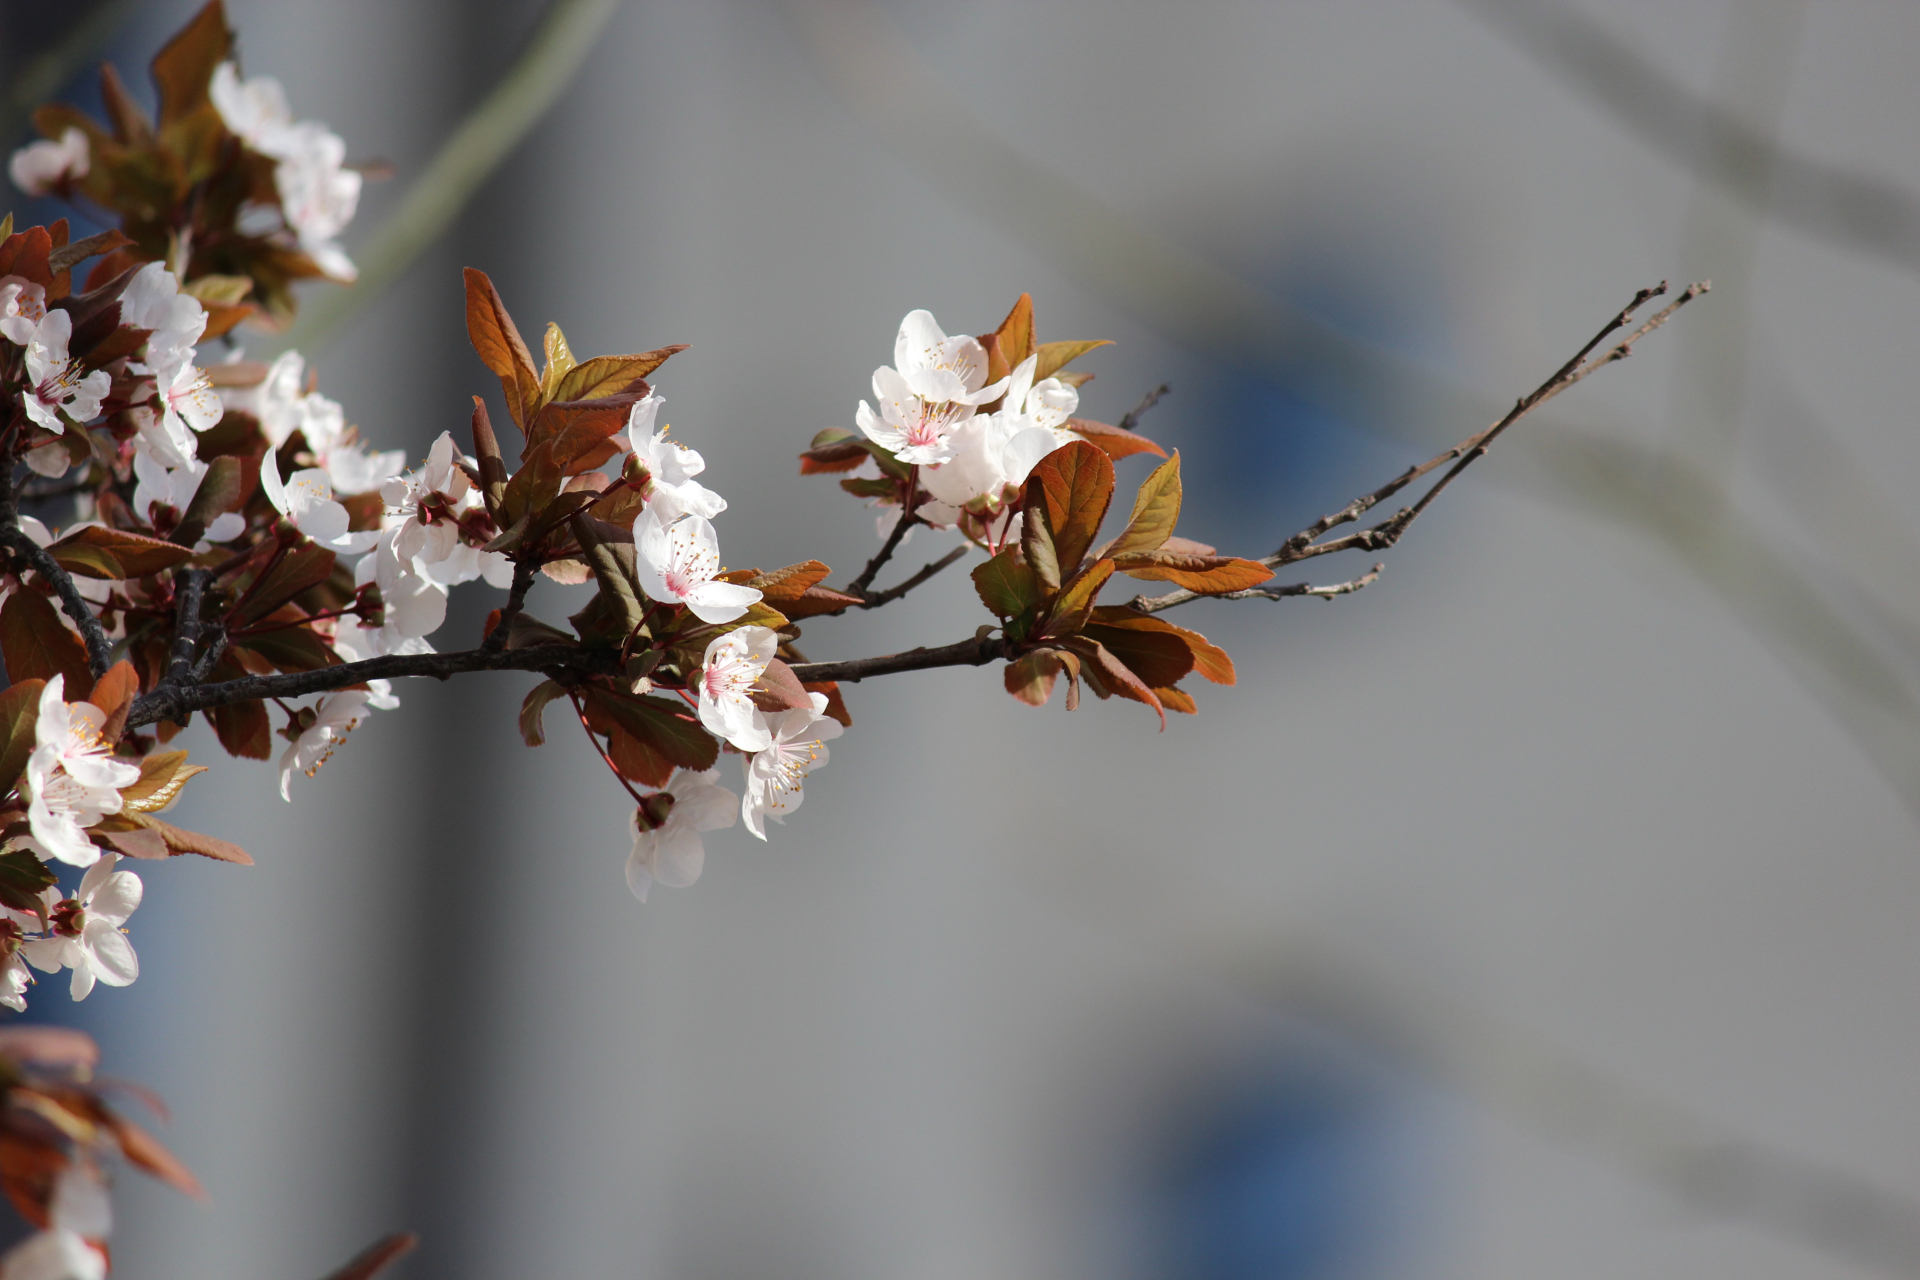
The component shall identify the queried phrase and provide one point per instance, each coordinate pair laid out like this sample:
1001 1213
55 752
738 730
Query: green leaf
1071 488
99 552
1007 585
611 375
560 360
533 707
37 645
1156 509
1054 356
501 348
19 713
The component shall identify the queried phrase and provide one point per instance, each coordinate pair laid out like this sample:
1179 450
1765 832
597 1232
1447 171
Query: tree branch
186 626
977 652
1132 420
859 586
516 600
75 606
167 703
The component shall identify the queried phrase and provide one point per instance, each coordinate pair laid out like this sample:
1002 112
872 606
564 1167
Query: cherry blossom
332 721
437 513
677 563
307 500
56 384
994 453
354 643
318 194
86 934
252 109
58 1253
153 301
669 467
72 775
39 167
159 487
22 304
415 604
666 830
797 746
734 663
940 369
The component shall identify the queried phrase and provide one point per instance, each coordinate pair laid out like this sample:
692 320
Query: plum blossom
677 562
153 301
278 401
158 485
22 304
354 643
934 384
333 720
318 193
734 663
57 1253
72 775
415 604
15 977
86 933
56 384
307 500
666 830
39 167
429 510
796 747
669 467
994 453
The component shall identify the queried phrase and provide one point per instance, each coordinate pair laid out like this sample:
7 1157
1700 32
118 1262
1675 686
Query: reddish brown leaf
130 123
144 1151
1012 342
836 705
834 449
69 256
781 586
1007 585
1030 677
1111 676
304 566
778 689
49 1046
136 844
1177 700
377 1257
571 430
114 693
37 645
25 254
1156 509
19 712
648 736
817 600
1208 575
1209 659
493 335
224 488
99 552
1158 657
1115 442
533 709
1074 605
183 69
486 451
192 841
1071 487
612 375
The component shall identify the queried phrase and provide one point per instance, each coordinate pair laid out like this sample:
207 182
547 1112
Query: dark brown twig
99 648
878 598
980 650
1147 605
186 626
516 600
860 585
1147 402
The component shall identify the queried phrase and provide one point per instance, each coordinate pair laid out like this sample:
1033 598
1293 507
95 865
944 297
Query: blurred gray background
1546 909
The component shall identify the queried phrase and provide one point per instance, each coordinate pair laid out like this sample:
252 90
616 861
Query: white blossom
666 831
318 193
58 1253
72 775
252 109
776 775
39 167
734 663
426 510
86 930
22 304
56 384
153 300
159 485
354 643
939 369
333 720
936 385
677 563
307 500
415 604
994 453
670 467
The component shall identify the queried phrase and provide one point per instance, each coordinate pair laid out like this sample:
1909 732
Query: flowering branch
72 603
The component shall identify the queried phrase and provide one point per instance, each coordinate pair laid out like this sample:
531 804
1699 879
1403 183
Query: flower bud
653 811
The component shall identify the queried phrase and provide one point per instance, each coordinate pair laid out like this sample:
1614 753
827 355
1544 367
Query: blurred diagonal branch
1857 211
902 97
484 139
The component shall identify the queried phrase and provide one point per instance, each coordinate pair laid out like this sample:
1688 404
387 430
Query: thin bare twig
72 603
186 626
859 586
979 651
516 600
878 598
1146 605
1147 402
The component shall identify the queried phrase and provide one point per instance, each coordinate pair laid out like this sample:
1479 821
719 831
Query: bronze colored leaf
1030 677
779 587
1115 442
99 552
1158 657
37 645
1177 700
22 877
835 449
288 648
570 430
560 359
1036 544
162 775
778 689
533 709
1156 509
183 69
1071 488
648 736
376 1258
221 490
192 841
114 693
1209 659
1110 676
1053 356
130 124
1208 575
138 843
1012 342
1074 605
69 256
303 567
501 349
145 1152
26 254
612 375
19 713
